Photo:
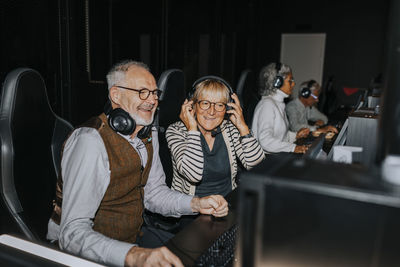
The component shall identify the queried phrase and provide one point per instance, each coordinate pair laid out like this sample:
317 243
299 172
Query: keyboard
221 252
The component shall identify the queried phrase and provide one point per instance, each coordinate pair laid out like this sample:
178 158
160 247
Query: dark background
73 43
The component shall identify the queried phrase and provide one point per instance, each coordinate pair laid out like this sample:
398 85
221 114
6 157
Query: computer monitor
340 139
316 213
315 150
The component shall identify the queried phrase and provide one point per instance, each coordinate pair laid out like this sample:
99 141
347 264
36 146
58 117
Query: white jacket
271 126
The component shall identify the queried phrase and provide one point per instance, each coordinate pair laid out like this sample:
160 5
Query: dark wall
73 43
355 35
29 38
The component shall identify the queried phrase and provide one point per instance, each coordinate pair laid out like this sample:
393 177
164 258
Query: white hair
267 77
116 75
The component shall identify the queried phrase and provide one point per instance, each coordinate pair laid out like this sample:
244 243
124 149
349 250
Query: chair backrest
171 83
246 90
242 83
31 137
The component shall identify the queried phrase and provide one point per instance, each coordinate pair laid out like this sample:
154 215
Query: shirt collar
279 95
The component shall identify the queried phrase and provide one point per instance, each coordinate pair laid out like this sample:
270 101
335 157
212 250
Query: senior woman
270 123
210 137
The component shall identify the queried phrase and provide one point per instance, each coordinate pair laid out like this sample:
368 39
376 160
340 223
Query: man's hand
302 133
300 149
319 123
329 128
215 205
147 257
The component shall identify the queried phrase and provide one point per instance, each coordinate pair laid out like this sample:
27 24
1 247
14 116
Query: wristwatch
250 134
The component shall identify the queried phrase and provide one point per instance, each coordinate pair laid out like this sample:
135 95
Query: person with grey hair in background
270 123
301 110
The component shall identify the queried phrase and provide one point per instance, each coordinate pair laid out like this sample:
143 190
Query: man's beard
140 121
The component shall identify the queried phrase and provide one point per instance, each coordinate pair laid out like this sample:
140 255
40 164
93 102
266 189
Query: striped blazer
187 154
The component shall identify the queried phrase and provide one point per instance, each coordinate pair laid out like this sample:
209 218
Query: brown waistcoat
120 212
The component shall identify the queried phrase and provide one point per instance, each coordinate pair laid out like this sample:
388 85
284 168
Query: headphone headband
278 67
212 77
278 80
208 77
310 84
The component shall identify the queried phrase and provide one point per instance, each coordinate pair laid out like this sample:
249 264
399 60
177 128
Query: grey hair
116 75
314 86
267 77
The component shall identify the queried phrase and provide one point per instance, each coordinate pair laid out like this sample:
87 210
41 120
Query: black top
217 171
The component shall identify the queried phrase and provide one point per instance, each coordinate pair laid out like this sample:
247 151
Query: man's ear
115 95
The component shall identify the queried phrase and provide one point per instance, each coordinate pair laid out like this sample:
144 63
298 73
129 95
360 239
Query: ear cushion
278 81
305 92
144 132
120 121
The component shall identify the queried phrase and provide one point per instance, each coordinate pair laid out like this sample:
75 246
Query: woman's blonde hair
211 87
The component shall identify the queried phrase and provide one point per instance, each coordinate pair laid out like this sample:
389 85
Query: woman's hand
187 115
302 133
236 115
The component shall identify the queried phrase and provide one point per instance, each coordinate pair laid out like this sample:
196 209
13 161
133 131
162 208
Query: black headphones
306 91
191 92
121 122
278 80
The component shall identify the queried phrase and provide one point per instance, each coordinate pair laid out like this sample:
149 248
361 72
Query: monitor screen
315 149
295 217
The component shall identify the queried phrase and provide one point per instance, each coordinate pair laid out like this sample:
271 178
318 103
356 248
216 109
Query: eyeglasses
291 81
205 105
143 93
314 96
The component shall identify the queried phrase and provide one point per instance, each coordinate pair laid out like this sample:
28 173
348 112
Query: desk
198 236
362 132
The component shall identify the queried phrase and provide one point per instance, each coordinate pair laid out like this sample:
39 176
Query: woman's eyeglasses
205 105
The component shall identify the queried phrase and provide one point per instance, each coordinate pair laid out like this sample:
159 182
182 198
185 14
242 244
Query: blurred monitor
340 139
316 213
315 150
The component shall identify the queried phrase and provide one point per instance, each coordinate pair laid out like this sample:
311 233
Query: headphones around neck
278 80
120 121
306 91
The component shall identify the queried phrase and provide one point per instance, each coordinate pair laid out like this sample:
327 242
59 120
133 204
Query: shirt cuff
118 253
293 148
186 207
194 132
249 135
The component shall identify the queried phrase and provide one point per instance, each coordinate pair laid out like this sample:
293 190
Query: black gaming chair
246 90
31 137
171 83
